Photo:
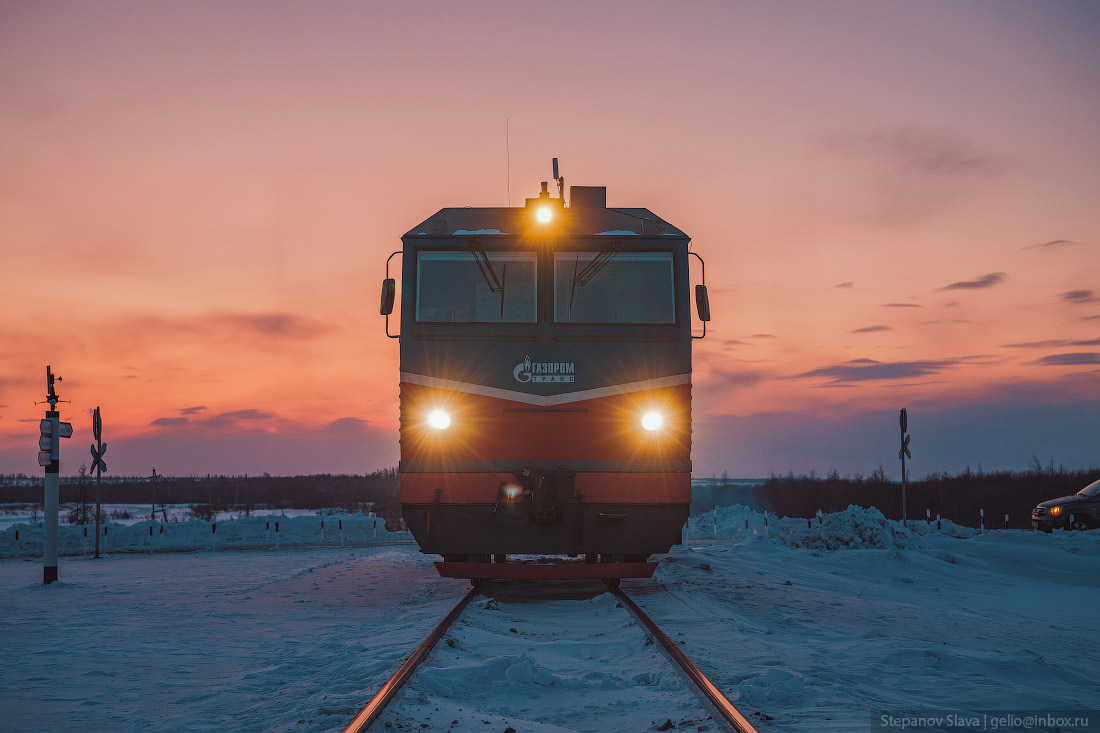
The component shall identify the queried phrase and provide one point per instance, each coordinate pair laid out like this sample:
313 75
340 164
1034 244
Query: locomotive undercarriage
541 513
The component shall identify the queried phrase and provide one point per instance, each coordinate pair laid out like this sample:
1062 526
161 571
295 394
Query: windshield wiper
496 285
592 268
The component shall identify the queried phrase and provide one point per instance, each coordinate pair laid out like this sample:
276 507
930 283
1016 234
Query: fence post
276 535
150 539
746 525
928 517
1006 521
819 518
85 542
938 527
809 523
340 524
767 530
213 536
981 520
322 530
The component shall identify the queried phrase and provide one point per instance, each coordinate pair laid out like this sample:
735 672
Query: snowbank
855 527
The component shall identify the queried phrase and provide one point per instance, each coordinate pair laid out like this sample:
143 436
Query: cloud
953 320
923 151
846 285
250 414
192 410
763 336
901 305
985 281
230 326
1092 318
863 370
1077 359
1053 244
170 422
871 329
1051 344
1079 297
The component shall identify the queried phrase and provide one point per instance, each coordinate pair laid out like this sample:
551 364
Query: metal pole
153 514
49 516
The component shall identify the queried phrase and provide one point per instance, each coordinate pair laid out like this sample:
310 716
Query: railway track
708 691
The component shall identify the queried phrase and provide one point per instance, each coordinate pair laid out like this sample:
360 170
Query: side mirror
389 291
702 303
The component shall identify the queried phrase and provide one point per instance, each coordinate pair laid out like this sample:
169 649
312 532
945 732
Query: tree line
958 497
219 493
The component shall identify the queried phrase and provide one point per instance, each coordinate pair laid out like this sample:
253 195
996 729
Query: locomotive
545 386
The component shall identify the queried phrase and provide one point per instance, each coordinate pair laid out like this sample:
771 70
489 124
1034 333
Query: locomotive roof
573 221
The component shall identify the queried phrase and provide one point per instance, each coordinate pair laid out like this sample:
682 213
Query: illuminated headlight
513 491
439 419
544 215
1056 510
652 421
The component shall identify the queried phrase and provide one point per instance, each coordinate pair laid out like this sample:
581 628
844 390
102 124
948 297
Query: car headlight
439 419
652 421
1056 510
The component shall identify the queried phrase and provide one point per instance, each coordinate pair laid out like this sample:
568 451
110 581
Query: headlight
439 419
1056 510
652 421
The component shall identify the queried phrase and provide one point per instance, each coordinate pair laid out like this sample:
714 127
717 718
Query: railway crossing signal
98 464
99 467
903 454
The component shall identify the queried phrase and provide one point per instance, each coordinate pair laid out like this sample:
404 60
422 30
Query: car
1079 511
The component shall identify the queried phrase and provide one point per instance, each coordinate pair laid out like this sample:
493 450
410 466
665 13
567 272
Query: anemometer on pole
49 456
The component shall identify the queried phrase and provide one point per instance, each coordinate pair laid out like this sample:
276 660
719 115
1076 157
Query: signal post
49 456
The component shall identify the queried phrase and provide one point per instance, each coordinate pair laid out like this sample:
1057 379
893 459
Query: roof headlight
544 214
1056 510
652 421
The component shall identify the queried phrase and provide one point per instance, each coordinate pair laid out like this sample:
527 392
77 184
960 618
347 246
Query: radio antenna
508 159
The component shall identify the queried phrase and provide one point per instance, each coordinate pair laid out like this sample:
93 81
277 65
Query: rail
382 698
377 704
713 694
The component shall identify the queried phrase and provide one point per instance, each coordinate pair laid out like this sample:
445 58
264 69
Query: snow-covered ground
255 532
814 628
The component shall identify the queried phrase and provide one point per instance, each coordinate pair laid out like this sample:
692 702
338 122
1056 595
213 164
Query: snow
257 531
615 233
814 627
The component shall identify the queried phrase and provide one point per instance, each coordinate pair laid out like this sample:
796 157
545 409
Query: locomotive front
545 387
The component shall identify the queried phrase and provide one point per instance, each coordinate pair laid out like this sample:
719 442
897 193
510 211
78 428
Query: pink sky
896 202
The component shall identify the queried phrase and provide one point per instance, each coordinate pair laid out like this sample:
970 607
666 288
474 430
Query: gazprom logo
543 371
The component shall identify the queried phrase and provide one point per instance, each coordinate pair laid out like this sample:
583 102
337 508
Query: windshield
1091 490
475 287
614 287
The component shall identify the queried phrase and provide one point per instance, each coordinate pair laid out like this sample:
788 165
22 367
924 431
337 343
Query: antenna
508 158
560 181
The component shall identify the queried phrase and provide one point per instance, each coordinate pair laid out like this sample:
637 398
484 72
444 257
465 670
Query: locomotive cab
545 388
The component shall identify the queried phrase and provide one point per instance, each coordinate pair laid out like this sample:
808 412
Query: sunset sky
898 203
